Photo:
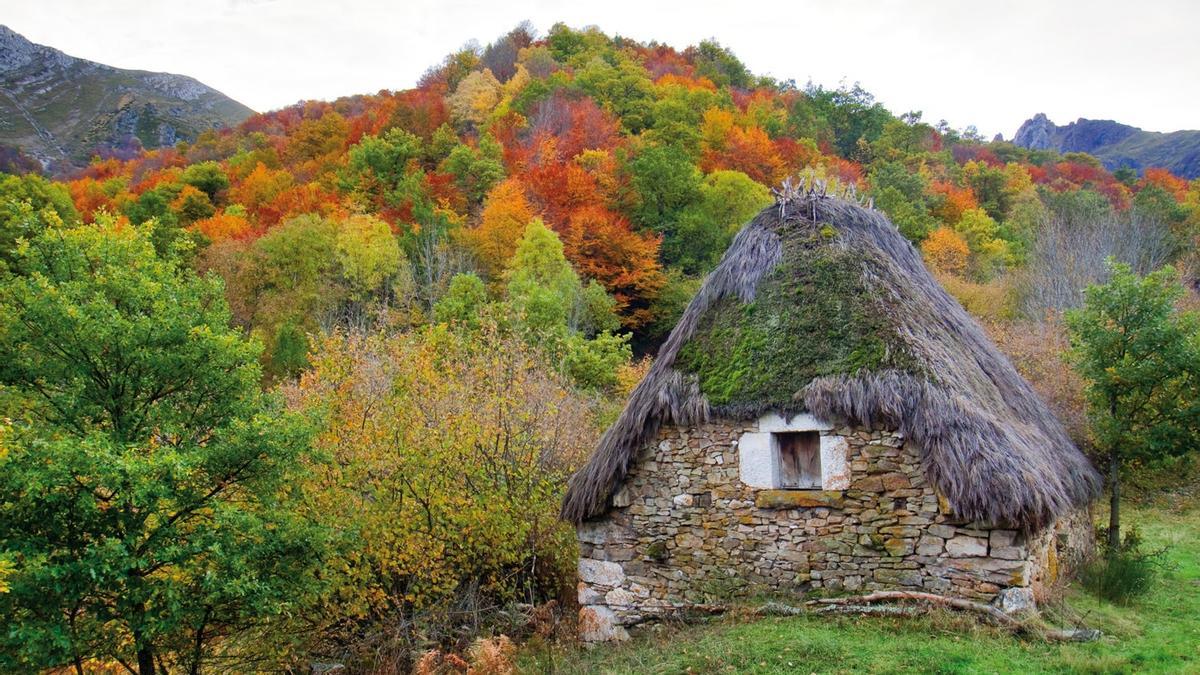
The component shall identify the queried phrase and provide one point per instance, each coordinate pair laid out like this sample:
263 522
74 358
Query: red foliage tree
602 245
750 151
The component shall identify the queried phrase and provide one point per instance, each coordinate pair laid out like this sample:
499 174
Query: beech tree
144 486
1141 359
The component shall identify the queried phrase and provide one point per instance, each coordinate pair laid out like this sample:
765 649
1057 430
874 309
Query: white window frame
759 457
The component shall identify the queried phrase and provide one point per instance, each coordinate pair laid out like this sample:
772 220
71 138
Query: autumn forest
309 389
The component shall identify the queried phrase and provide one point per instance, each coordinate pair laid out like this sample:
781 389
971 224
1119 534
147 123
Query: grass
1160 632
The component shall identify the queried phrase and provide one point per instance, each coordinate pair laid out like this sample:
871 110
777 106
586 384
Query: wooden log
1063 635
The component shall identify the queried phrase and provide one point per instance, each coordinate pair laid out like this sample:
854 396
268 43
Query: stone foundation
685 530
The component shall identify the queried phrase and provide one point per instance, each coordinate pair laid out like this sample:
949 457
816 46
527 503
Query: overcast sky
991 64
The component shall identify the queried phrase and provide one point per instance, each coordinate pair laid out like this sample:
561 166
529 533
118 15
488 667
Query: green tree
843 116
294 268
991 188
678 114
1140 357
208 177
983 236
28 205
720 65
143 497
727 200
666 181
462 301
900 193
368 255
542 287
154 207
623 88
476 170
557 313
289 349
377 164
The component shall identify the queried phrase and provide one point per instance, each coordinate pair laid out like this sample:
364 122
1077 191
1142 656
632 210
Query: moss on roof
813 315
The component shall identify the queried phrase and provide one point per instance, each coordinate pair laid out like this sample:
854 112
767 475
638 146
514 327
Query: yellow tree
946 250
449 455
475 98
506 212
367 253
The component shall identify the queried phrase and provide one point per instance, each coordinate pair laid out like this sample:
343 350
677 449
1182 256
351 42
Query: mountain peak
1035 133
16 51
109 110
1115 144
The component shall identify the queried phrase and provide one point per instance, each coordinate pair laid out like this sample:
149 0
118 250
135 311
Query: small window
799 460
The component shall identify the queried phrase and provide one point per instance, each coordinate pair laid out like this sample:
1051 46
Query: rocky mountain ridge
61 110
1116 145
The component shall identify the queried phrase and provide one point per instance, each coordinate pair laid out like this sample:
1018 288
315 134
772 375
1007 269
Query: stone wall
684 530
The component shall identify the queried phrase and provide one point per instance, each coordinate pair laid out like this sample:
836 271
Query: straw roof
820 305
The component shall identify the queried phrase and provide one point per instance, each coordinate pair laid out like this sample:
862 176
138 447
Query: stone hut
825 417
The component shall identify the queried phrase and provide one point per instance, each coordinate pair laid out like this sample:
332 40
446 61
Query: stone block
598 623
901 531
930 545
588 595
1016 601
965 547
1009 553
898 547
619 597
868 484
943 531
600 572
802 499
1002 538
603 532
1003 572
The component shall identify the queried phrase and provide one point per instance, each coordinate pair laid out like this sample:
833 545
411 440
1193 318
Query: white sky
992 64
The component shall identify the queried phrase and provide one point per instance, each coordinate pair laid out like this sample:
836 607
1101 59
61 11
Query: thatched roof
820 305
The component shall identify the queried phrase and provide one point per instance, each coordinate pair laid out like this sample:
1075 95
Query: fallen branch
865 601
869 610
779 609
706 609
941 600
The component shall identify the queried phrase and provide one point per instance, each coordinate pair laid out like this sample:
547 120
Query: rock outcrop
1116 145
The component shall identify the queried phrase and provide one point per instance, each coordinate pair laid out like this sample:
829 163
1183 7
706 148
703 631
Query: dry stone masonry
686 529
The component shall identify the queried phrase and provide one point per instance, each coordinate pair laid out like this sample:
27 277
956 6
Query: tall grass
1124 574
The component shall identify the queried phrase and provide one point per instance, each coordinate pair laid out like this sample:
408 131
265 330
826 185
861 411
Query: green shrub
1120 576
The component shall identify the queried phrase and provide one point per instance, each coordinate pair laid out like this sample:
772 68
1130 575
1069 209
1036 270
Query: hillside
62 110
1116 145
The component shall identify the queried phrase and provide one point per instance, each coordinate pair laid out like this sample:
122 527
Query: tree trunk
1114 504
145 654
